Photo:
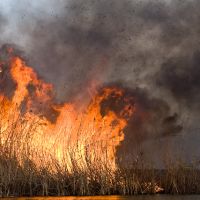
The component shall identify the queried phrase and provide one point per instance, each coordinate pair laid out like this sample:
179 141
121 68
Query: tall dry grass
21 176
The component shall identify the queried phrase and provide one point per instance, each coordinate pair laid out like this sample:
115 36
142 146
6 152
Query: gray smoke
147 46
69 42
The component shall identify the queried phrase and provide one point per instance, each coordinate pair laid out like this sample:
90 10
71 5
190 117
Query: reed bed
21 176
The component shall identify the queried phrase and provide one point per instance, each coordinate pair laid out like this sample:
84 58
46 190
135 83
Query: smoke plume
150 48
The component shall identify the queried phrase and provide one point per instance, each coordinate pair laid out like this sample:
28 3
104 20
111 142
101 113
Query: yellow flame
84 135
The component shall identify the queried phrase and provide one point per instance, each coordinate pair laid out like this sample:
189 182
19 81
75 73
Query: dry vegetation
19 175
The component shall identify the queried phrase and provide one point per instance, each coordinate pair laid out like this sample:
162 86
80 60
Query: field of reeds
21 176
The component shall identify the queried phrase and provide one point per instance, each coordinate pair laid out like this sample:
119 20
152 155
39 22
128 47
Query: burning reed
20 175
50 148
69 140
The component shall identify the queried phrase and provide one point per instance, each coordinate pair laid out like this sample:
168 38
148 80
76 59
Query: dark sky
150 47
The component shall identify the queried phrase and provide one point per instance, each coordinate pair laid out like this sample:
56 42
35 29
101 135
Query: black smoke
7 84
181 76
152 117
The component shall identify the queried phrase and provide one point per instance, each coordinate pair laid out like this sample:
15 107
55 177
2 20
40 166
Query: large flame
45 131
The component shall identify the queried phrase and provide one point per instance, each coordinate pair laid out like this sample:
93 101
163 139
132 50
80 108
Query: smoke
152 120
8 86
150 47
152 117
71 41
181 76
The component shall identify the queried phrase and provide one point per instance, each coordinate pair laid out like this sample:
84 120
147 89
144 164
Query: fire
48 131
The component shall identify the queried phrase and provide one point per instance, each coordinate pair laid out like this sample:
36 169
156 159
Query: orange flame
84 135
